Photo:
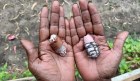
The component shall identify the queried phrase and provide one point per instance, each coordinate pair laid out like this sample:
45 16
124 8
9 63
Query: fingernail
61 5
66 18
89 1
45 5
71 17
55 1
74 4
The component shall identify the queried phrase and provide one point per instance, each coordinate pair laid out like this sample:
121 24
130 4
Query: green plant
4 75
124 67
77 74
131 46
131 55
26 73
132 52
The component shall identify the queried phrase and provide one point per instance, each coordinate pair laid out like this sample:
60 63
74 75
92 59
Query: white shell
53 38
61 50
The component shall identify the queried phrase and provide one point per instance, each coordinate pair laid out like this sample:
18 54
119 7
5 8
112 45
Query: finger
55 10
68 36
44 25
61 33
86 16
78 21
74 36
68 50
79 47
44 47
96 20
31 51
119 42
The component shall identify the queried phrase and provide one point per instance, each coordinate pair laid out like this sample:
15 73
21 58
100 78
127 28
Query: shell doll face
91 46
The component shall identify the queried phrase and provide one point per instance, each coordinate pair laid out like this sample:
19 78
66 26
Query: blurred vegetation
6 74
131 55
130 61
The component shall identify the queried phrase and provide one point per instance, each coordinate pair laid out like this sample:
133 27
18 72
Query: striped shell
92 49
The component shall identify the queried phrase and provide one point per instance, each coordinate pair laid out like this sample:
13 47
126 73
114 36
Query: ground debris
4 6
15 49
7 47
33 6
11 37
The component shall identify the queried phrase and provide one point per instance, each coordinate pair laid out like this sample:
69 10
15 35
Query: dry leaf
33 6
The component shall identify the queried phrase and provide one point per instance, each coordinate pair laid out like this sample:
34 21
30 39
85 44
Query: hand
89 22
44 63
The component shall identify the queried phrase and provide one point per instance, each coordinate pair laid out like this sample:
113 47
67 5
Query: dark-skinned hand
86 20
44 63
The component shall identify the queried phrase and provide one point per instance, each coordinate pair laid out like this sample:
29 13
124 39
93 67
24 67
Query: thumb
31 51
119 42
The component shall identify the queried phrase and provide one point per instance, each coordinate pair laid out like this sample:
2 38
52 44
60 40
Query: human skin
46 65
43 62
85 22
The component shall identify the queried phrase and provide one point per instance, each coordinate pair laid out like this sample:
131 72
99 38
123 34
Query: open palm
89 22
44 63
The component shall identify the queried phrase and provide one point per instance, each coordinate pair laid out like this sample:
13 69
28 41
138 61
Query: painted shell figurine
91 47
57 45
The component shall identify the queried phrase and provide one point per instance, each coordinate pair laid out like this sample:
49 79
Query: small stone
11 37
